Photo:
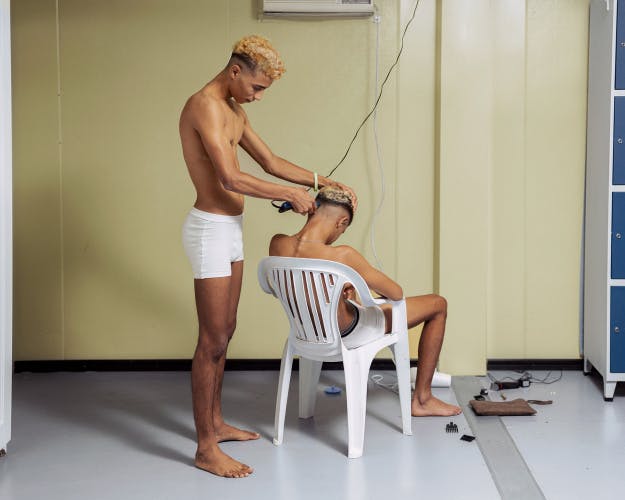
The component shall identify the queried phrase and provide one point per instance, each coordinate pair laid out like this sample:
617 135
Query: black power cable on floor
525 380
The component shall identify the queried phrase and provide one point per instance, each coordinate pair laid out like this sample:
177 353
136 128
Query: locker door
618 236
619 70
618 157
617 329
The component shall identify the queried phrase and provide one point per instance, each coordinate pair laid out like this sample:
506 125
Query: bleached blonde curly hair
334 195
258 54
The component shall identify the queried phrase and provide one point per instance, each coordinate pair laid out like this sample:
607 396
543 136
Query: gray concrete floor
131 436
575 448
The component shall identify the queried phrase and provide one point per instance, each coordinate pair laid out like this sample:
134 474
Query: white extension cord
439 379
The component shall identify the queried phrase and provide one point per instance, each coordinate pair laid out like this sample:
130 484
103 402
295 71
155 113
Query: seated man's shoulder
350 257
278 237
345 254
274 245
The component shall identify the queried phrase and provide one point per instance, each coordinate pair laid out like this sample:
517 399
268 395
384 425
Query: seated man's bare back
315 239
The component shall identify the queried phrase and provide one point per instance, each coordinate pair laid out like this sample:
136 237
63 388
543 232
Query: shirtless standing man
212 125
314 241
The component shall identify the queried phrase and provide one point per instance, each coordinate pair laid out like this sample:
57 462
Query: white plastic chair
310 290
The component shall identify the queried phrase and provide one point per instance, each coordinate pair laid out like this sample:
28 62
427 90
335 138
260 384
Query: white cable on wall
377 21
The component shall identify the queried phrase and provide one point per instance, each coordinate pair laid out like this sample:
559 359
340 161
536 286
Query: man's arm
281 168
210 125
376 280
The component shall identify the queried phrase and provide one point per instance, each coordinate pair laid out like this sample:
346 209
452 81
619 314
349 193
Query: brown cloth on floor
505 408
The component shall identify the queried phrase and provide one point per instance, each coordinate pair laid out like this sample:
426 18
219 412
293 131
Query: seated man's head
253 66
335 207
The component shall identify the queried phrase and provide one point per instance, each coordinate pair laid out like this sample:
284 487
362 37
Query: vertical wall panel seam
524 197
396 201
490 278
489 199
436 236
488 285
228 40
60 156
398 32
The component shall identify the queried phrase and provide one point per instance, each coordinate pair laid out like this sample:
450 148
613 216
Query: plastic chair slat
324 307
284 293
324 282
309 303
315 307
297 285
301 328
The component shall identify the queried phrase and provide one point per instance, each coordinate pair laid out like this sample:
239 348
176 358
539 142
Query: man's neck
315 233
218 86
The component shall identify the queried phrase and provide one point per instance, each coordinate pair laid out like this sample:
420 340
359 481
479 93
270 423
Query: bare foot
433 407
226 432
220 464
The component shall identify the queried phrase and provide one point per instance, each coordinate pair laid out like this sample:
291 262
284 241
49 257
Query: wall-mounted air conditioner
295 8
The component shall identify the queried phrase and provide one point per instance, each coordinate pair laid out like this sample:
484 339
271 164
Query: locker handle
620 140
618 236
617 329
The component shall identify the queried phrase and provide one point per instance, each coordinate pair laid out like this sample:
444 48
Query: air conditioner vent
297 8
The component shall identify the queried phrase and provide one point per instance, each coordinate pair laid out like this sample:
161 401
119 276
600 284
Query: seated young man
314 241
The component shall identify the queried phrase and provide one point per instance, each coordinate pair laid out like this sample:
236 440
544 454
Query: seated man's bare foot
226 432
220 464
433 407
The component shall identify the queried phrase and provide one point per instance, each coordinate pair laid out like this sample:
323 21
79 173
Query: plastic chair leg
401 356
283 393
309 371
356 378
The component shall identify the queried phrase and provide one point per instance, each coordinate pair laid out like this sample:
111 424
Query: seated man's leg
431 310
216 325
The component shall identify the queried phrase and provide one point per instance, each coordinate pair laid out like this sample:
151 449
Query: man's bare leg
224 431
431 309
216 326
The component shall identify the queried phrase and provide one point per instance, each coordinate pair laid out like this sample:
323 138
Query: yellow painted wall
464 137
101 189
538 159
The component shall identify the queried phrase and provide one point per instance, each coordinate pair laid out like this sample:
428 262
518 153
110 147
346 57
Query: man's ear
342 221
235 71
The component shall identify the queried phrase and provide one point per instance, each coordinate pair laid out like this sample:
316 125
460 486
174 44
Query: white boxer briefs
212 242
367 327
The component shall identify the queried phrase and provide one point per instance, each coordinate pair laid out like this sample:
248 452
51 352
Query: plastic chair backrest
310 290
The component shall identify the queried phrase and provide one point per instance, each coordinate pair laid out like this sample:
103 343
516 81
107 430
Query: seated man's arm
376 280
